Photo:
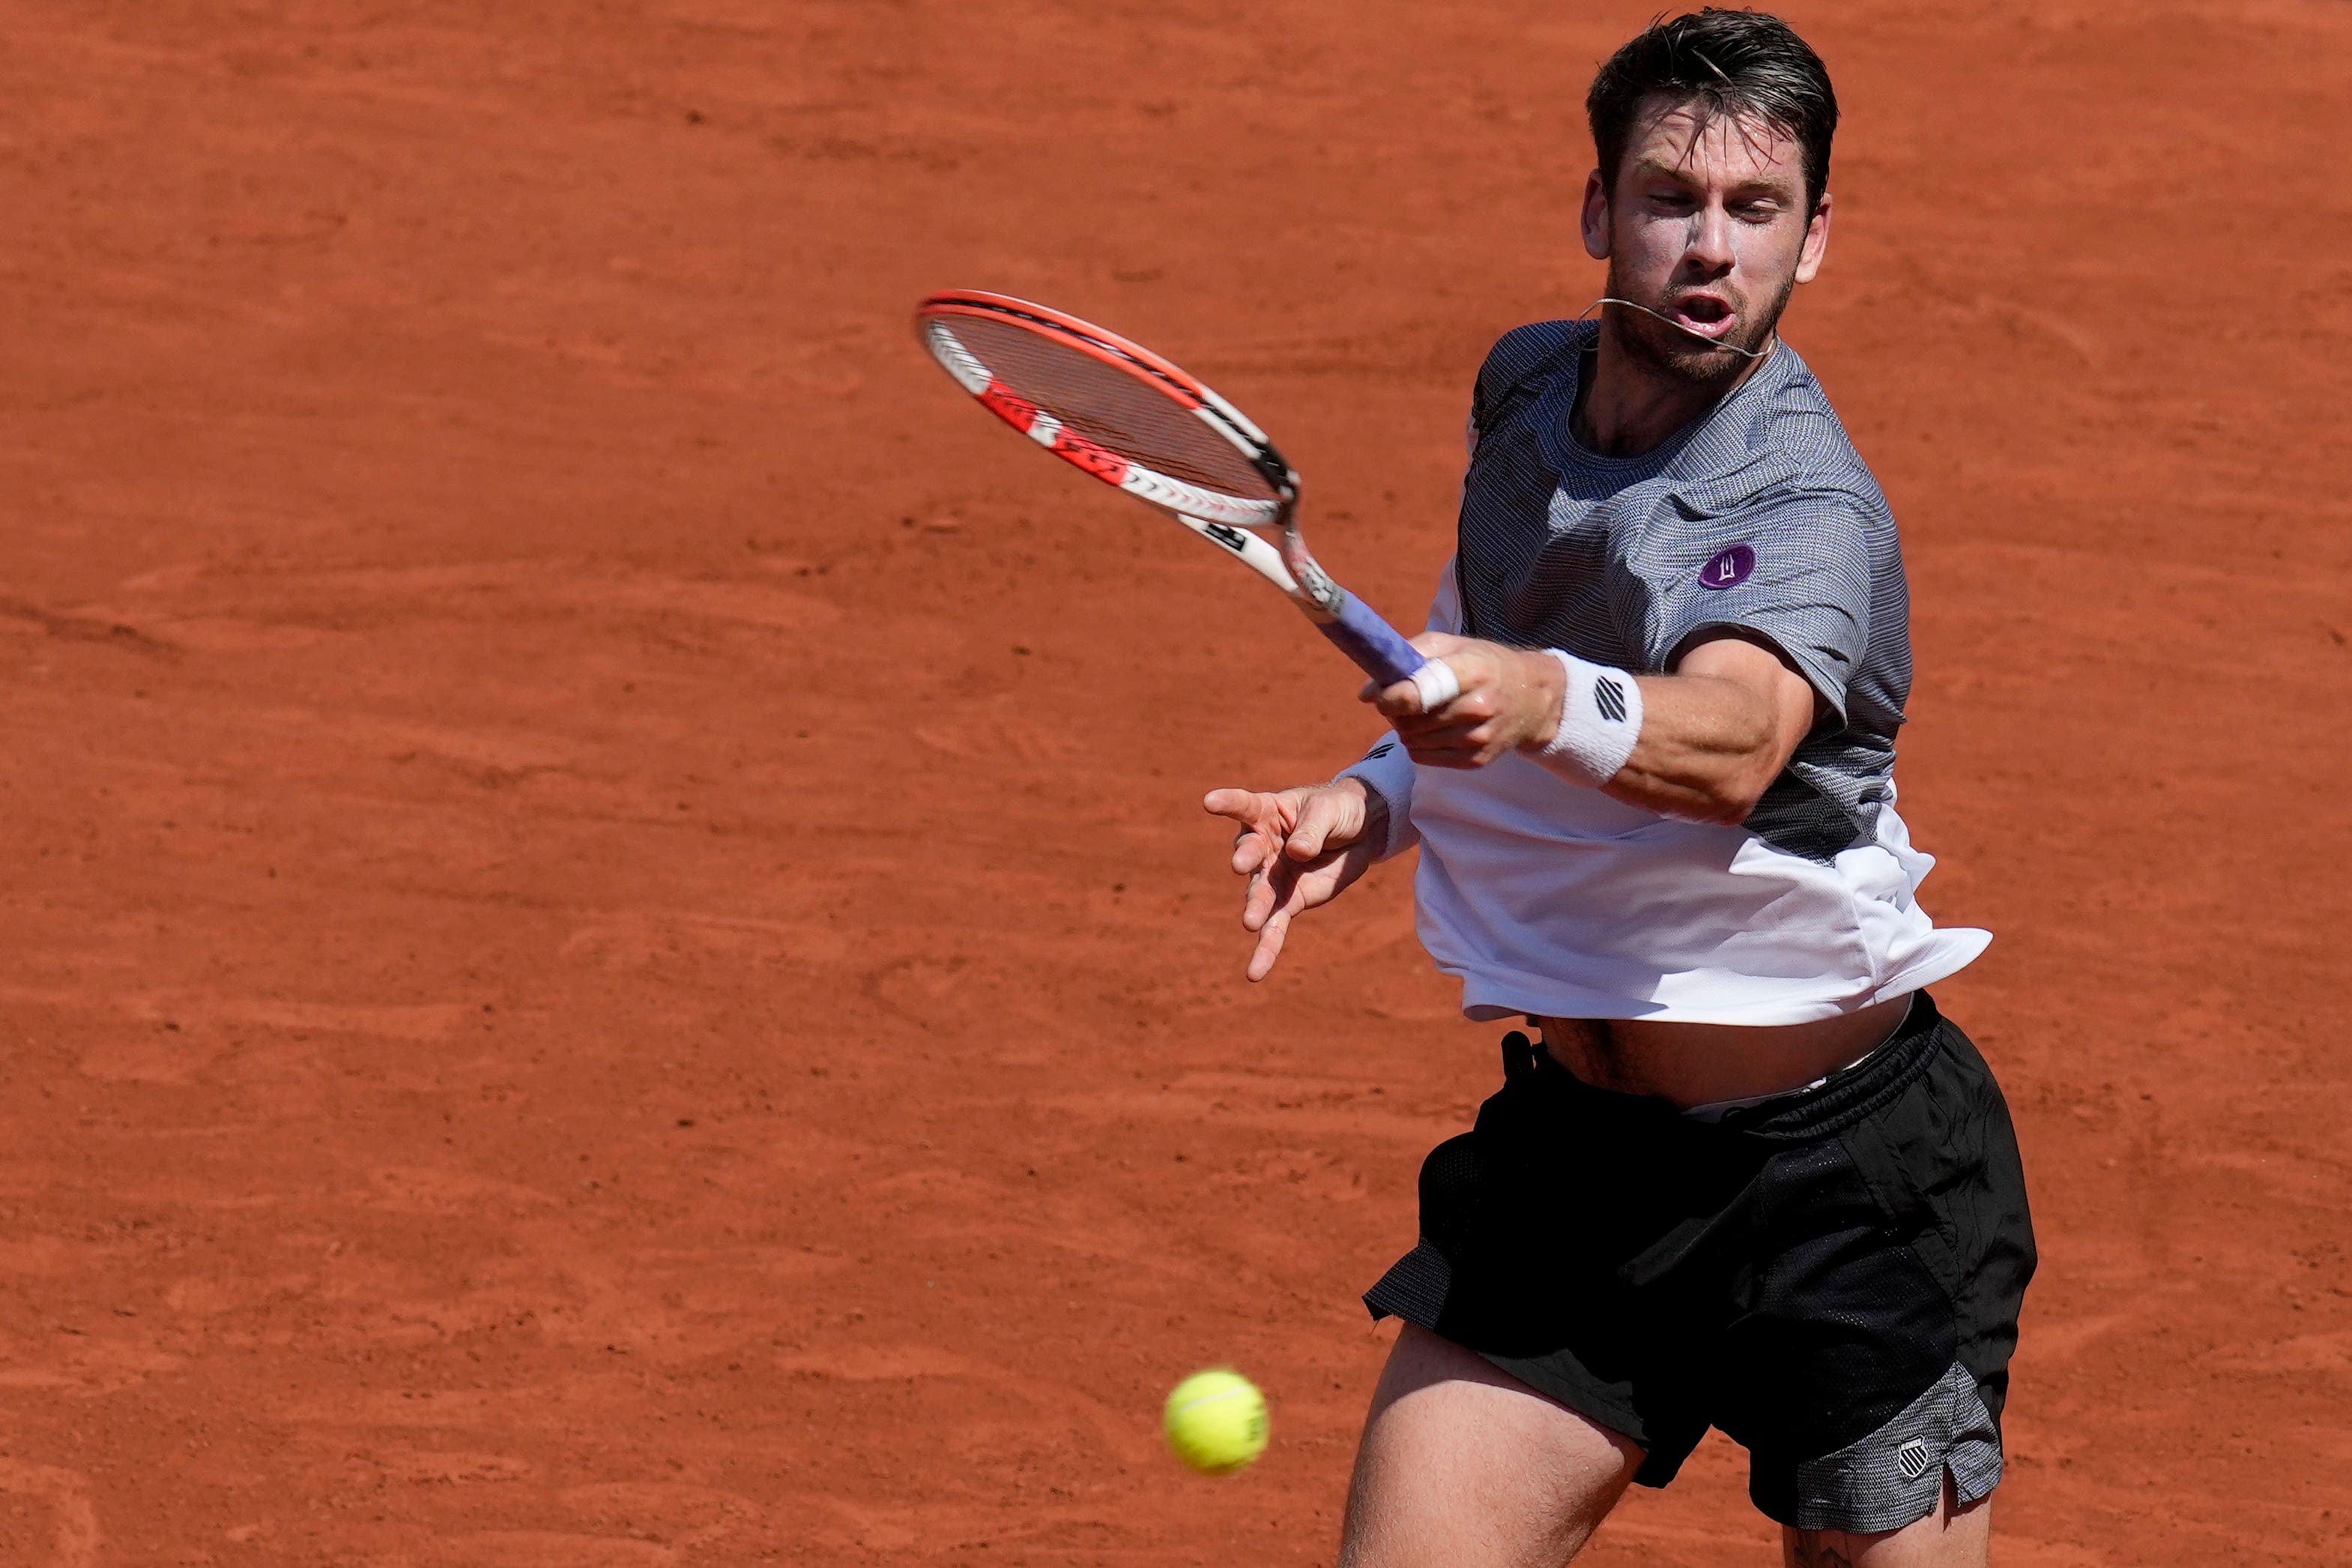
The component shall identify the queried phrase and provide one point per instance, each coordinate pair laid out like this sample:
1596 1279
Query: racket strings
1123 410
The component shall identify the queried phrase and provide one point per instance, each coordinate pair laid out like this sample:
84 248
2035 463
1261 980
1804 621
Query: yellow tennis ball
1216 1421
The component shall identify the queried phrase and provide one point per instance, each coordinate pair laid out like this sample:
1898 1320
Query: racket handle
1358 630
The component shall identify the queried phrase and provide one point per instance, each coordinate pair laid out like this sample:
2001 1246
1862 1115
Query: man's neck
1624 410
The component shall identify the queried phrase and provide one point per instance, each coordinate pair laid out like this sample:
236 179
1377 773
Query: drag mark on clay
418 1023
88 628
638 939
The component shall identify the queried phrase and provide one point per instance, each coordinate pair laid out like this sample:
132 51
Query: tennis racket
1134 421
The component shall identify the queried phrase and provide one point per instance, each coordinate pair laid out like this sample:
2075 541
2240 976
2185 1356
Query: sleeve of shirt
1795 572
1445 606
1386 769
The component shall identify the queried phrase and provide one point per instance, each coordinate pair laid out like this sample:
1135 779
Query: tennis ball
1216 1421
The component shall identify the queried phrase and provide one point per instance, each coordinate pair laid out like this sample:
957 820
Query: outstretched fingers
1241 805
1259 903
1269 947
1256 844
1293 847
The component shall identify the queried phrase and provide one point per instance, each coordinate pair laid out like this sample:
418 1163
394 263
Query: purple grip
1357 632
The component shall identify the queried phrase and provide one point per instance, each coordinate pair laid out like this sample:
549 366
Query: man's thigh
1951 1537
1464 1466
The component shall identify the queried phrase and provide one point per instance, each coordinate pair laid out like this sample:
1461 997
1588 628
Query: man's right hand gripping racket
1134 421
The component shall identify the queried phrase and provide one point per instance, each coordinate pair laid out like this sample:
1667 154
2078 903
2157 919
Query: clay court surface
611 956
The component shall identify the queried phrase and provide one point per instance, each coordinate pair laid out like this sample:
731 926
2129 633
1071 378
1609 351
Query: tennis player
1746 1175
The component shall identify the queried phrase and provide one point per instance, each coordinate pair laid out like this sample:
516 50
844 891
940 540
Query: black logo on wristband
1610 699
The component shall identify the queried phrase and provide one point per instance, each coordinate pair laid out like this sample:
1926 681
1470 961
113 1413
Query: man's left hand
1510 697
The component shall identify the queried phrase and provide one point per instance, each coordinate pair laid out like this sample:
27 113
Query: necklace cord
1710 342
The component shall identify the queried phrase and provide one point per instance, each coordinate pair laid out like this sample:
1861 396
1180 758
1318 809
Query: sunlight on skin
1708 227
1948 1538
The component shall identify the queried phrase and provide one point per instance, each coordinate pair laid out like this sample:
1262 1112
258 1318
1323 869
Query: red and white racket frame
1230 521
1215 516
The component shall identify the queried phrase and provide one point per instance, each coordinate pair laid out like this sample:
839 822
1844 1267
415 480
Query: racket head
1111 408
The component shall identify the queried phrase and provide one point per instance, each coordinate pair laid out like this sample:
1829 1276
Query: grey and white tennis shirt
1757 518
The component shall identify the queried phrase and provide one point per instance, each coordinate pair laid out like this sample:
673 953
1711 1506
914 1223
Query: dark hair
1738 63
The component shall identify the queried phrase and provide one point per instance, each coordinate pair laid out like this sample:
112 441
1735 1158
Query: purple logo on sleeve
1727 568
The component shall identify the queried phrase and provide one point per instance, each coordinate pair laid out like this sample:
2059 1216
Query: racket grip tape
1356 631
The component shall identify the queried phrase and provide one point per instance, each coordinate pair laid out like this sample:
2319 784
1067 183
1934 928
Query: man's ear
1596 217
1817 241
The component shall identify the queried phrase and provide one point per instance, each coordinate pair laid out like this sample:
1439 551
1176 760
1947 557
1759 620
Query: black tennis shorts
1833 1277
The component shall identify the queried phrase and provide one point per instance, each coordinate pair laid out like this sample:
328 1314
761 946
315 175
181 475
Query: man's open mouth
1704 314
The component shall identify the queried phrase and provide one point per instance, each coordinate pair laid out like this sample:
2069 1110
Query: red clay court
610 967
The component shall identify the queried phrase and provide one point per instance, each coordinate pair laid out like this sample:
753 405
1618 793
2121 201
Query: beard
1667 352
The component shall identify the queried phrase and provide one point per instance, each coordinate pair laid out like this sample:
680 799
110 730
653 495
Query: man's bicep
1759 666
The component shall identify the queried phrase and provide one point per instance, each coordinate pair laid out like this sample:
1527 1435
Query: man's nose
1709 247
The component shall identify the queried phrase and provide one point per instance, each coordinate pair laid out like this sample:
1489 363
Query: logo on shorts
1728 567
1912 1458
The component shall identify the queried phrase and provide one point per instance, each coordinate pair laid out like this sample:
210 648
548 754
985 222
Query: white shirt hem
1489 994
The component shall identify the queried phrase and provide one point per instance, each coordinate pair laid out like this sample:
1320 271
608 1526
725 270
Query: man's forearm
1707 752
1703 743
1706 741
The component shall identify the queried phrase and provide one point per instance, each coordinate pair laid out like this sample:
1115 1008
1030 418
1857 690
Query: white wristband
1599 720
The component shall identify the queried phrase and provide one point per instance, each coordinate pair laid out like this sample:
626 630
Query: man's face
1707 226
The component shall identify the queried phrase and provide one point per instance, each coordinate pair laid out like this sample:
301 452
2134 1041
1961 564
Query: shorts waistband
1851 1095
1846 1097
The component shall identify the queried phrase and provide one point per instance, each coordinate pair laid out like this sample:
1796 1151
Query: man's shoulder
1787 438
1536 342
1527 358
